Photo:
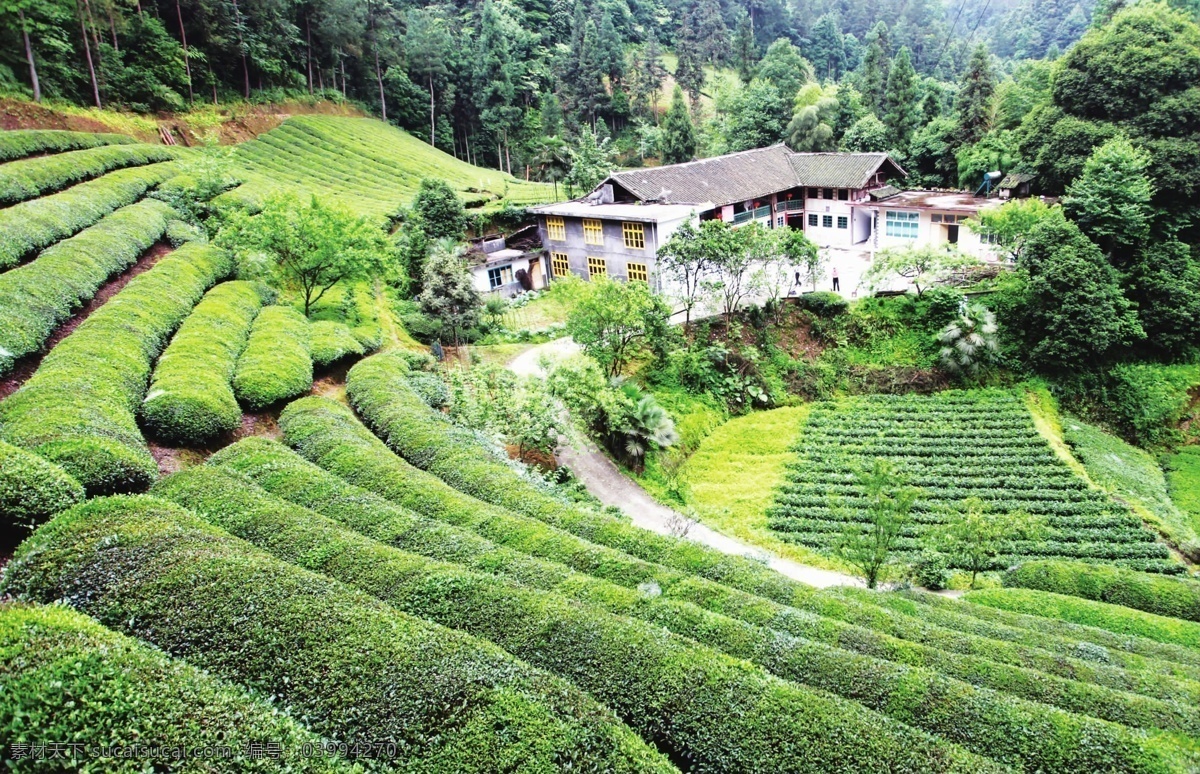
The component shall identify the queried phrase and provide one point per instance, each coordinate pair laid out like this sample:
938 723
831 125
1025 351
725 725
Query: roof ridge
708 160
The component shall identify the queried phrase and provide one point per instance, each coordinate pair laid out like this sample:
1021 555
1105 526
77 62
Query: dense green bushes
1088 613
37 297
332 341
191 400
31 490
1148 400
30 178
18 143
355 669
34 225
1174 597
66 679
592 648
379 391
276 363
79 408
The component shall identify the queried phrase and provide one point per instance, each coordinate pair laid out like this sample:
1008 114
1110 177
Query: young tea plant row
953 446
19 143
31 178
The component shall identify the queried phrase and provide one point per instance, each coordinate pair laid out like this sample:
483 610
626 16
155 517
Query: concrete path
610 486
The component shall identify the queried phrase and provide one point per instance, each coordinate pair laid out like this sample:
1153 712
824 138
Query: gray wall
613 250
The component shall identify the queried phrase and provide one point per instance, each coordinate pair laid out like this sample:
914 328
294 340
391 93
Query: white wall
480 276
833 236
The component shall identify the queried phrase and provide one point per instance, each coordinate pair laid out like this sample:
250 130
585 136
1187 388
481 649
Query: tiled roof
883 193
838 170
1014 179
738 177
734 177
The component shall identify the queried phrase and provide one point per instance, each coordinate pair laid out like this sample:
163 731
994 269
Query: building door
952 234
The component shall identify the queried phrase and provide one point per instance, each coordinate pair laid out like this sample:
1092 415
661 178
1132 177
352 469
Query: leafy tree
1111 199
732 278
1011 223
922 266
975 96
811 127
827 50
888 511
448 291
996 151
969 341
678 136
646 78
615 320
973 538
802 253
438 210
711 32
689 257
757 116
308 246
867 135
1164 282
784 68
1070 312
591 161
902 111
931 157
427 47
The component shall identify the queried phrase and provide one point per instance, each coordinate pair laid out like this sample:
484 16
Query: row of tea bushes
277 362
31 178
79 408
191 400
378 389
331 342
427 698
19 143
1018 732
1173 597
32 489
34 225
39 296
67 679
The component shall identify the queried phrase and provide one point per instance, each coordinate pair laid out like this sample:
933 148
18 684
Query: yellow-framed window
635 235
556 229
559 264
636 272
593 232
596 267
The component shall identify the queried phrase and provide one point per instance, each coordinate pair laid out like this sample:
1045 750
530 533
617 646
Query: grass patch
1184 481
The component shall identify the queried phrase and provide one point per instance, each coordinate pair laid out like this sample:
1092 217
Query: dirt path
610 486
26 366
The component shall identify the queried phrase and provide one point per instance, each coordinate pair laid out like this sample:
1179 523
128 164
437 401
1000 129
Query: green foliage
31 178
678 135
812 126
867 135
954 445
974 100
202 177
969 341
1121 620
438 210
758 116
366 673
31 491
19 143
1164 282
1013 222
1149 401
37 297
33 225
307 246
277 362
331 341
617 321
591 162
448 293
78 409
901 113
1184 478
921 266
1172 597
67 676
888 502
784 68
973 538
1110 200
191 400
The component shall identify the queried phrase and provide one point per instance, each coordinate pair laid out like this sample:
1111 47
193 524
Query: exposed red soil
18 114
26 366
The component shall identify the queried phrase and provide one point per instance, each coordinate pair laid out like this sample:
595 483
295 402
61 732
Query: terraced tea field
953 446
366 165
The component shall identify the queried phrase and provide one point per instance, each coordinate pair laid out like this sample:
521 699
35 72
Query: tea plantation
236 530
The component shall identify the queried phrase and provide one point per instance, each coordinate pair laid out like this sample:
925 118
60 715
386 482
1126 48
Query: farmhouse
842 201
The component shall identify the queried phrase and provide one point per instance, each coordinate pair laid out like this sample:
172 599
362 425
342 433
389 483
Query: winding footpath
607 484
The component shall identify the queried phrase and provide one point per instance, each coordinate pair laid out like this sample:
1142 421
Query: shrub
18 143
191 400
180 232
67 678
1147 401
33 225
332 341
1174 597
78 409
31 491
431 388
30 178
36 298
355 669
823 303
276 364
327 433
1088 613
591 648
380 393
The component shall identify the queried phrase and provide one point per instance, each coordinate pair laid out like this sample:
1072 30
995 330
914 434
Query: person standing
837 287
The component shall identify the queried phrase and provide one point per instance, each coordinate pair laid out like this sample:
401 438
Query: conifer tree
903 112
711 32
689 66
875 66
745 50
974 101
827 50
679 137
